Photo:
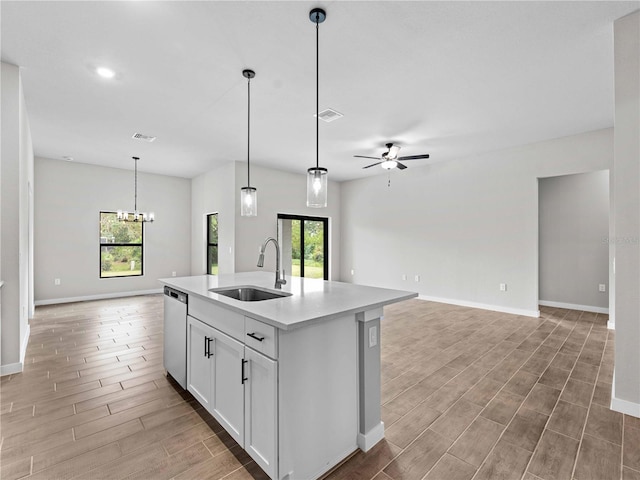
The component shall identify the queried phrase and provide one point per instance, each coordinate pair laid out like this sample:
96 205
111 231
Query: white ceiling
447 78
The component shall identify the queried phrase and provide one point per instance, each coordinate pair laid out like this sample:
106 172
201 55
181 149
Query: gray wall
464 226
280 192
574 251
625 234
240 237
213 192
16 255
68 202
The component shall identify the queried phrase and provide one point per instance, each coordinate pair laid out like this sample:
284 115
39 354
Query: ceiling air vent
146 138
329 115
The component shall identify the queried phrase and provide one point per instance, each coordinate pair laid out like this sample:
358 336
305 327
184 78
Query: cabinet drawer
261 337
226 321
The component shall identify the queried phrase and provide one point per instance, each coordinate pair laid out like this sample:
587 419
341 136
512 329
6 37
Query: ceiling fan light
389 164
317 187
248 202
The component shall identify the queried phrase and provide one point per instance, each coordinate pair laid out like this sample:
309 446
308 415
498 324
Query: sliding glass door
305 245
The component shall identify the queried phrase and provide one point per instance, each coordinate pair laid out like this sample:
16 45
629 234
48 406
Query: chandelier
135 216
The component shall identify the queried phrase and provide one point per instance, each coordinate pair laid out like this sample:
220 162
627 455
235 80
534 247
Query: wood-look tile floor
466 394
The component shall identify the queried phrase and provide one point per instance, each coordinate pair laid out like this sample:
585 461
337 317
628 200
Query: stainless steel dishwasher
175 334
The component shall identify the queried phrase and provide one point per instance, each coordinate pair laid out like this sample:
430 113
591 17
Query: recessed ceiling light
105 72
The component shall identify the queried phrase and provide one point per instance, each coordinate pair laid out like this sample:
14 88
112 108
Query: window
305 245
120 247
212 244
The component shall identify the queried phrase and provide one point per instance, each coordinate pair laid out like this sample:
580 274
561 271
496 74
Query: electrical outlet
417 278
56 281
173 274
404 276
503 287
602 287
373 336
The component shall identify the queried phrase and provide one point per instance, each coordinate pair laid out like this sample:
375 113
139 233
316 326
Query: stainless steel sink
249 294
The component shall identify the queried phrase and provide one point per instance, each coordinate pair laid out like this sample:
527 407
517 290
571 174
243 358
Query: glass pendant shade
248 202
317 187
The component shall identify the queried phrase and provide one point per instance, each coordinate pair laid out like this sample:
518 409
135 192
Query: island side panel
318 395
371 427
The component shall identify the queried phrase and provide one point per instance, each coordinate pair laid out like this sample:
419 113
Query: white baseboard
368 440
10 369
102 296
573 306
25 342
483 306
625 406
17 367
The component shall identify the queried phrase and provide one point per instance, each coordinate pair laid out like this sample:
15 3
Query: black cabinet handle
253 335
242 373
207 347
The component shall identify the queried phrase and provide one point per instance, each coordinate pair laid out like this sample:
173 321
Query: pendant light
248 194
317 176
136 216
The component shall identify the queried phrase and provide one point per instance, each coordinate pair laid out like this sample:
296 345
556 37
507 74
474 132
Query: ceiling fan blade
400 165
414 157
362 156
372 165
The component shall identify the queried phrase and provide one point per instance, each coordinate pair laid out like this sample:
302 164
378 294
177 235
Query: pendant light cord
317 89
248 129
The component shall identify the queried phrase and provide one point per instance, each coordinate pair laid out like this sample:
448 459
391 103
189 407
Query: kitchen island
295 379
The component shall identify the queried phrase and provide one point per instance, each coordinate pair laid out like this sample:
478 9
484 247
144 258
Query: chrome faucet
279 280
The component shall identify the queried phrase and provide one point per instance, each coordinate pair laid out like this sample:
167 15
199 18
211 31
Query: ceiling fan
390 159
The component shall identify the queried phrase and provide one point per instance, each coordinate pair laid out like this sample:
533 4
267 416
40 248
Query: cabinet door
199 340
261 410
227 399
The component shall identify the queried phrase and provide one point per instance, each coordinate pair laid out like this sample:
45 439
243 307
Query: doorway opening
304 242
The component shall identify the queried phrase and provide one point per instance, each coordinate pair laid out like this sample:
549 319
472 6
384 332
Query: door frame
325 240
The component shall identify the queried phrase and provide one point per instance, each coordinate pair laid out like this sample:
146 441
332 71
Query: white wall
239 238
16 256
280 192
625 235
464 226
68 200
213 192
574 251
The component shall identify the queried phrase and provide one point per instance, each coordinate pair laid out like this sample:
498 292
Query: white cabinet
199 366
260 410
239 387
227 398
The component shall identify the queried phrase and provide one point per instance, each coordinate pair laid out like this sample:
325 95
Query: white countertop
311 300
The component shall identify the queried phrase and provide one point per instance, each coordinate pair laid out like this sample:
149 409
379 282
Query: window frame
120 244
209 244
325 240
